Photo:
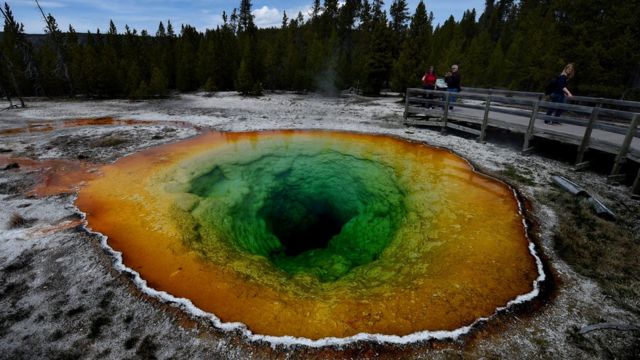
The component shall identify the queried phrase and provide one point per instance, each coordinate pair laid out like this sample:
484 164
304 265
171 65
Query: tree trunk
9 67
61 66
6 93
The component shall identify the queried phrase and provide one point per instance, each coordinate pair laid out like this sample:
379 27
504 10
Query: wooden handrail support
536 95
530 128
584 145
604 101
624 149
406 104
445 114
635 188
485 119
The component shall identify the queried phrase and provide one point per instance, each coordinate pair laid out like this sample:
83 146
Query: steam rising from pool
317 234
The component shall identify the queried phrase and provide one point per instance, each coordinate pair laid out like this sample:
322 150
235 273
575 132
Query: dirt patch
606 251
520 175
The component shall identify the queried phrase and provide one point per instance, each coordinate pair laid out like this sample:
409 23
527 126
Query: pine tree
158 84
161 31
475 58
61 68
245 18
20 52
378 61
411 63
534 47
250 67
186 57
88 65
316 9
75 58
170 32
245 81
109 82
346 42
494 77
468 26
329 17
134 79
399 13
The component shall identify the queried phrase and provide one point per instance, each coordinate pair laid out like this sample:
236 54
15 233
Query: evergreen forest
351 44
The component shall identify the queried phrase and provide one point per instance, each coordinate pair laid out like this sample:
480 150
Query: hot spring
315 234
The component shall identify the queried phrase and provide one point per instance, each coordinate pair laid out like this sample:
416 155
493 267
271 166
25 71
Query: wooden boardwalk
610 126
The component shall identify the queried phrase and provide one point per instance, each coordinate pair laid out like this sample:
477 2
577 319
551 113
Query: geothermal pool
317 234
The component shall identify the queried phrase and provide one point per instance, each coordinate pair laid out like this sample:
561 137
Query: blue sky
87 15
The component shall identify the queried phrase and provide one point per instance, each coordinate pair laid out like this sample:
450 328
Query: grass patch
11 166
18 221
602 250
606 345
521 176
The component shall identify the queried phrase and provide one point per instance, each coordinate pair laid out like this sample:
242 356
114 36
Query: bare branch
61 67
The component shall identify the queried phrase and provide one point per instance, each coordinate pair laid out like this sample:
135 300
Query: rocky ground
61 298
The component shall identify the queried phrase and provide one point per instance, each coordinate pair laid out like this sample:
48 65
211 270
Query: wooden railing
616 121
629 105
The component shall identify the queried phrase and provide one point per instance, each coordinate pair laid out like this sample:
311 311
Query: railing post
445 114
485 119
406 104
584 145
635 188
532 123
622 155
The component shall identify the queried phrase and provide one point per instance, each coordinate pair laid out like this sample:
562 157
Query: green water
318 213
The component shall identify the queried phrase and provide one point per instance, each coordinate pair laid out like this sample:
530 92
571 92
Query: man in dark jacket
453 83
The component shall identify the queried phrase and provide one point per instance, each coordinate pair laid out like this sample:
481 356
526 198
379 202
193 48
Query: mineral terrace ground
60 297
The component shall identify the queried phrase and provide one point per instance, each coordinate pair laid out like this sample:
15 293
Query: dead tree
31 68
61 66
9 69
6 93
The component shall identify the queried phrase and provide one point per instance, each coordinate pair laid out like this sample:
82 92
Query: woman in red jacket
429 82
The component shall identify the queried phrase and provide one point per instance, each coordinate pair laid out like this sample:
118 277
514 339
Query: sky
89 15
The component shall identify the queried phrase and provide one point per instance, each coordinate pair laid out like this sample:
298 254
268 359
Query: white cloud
267 17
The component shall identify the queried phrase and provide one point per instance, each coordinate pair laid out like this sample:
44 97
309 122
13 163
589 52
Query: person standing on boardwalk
560 91
429 82
452 79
